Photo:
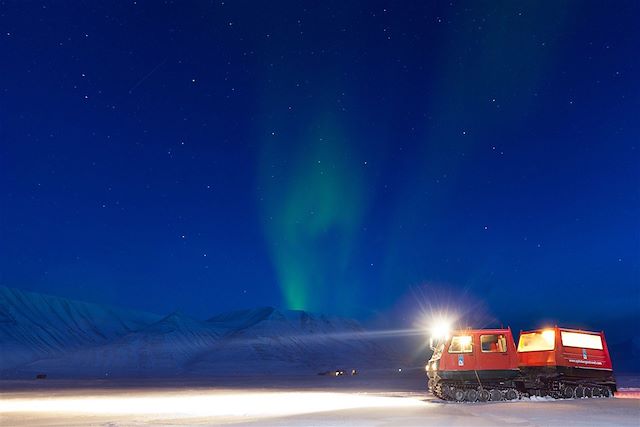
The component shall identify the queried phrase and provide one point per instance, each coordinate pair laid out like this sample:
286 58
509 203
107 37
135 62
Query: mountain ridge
68 338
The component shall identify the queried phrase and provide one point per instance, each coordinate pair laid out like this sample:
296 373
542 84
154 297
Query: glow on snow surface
201 403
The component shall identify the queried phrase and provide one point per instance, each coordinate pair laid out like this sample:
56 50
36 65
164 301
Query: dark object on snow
354 372
336 373
41 376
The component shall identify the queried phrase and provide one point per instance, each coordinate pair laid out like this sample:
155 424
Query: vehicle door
494 351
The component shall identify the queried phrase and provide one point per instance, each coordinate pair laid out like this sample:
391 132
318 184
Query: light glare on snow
200 403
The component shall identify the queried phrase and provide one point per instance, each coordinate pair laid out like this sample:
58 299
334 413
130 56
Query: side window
581 340
495 343
544 340
460 344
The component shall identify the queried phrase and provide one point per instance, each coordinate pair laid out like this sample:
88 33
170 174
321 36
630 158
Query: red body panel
566 356
477 359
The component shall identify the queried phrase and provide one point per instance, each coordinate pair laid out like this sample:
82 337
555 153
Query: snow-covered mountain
266 340
161 348
35 326
65 338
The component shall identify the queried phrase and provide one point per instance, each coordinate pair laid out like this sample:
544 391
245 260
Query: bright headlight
440 330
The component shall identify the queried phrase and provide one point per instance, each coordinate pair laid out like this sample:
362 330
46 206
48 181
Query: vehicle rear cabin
566 362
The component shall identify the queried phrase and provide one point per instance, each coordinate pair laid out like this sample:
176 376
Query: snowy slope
66 338
266 340
33 326
162 348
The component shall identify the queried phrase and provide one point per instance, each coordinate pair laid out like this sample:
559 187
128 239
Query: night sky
342 157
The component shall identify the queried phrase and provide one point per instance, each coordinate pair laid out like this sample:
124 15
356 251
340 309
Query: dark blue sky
332 156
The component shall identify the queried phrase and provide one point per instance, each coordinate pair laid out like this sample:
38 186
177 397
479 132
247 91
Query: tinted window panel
493 343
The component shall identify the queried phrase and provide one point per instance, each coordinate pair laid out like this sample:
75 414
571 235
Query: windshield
461 344
537 341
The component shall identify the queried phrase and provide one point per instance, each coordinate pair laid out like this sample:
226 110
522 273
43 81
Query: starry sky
348 158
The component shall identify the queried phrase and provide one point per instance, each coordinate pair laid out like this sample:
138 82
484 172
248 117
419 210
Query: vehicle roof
480 331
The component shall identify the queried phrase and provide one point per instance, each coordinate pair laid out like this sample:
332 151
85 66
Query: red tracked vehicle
567 363
472 365
483 364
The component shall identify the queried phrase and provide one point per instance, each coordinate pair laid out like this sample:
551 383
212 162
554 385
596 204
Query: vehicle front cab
474 355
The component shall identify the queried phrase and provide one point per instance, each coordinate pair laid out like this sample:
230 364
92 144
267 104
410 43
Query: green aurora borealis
316 189
313 209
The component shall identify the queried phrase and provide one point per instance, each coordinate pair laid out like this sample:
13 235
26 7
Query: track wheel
441 391
447 392
597 392
496 395
471 395
511 394
579 392
484 395
436 390
588 392
568 392
607 392
458 394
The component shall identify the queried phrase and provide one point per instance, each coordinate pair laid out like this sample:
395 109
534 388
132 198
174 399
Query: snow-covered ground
287 401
